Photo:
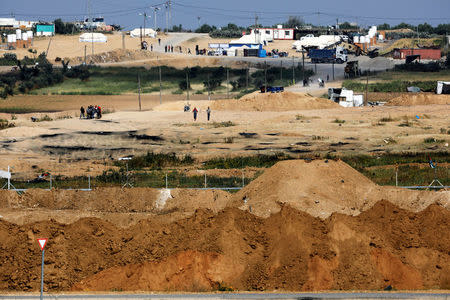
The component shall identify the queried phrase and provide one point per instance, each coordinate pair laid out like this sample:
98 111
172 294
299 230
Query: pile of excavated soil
284 101
323 187
419 99
290 250
114 56
116 200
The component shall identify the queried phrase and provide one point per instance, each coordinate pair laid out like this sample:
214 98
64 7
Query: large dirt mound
117 55
322 187
289 250
419 99
285 101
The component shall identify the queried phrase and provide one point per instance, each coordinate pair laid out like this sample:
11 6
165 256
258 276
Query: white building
12 22
278 33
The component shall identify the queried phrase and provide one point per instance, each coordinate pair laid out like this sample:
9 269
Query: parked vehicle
336 55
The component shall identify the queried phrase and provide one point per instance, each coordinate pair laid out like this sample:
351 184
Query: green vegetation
389 87
156 161
338 121
223 124
432 140
239 162
4 124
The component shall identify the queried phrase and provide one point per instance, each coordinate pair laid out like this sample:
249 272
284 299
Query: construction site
294 161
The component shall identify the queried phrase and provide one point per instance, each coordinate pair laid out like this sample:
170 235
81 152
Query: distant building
278 33
45 29
434 54
13 23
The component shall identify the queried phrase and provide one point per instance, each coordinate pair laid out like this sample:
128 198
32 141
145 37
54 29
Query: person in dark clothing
328 77
195 112
151 47
165 48
82 116
208 113
159 42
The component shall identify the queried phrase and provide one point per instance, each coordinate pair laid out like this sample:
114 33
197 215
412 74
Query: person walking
82 116
151 47
208 113
159 42
195 112
328 77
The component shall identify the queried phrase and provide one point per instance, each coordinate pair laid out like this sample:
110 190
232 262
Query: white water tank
30 34
18 34
12 38
356 39
24 36
380 37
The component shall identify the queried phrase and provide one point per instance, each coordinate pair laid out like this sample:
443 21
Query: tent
93 37
145 32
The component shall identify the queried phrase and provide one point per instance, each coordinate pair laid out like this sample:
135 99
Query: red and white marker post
42 242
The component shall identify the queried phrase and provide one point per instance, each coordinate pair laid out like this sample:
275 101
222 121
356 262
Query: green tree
425 28
384 26
205 28
293 22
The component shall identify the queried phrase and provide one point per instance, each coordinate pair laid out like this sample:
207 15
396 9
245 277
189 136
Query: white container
9 38
356 39
24 36
12 38
30 34
18 34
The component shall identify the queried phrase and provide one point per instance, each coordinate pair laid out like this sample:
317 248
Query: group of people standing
92 112
208 113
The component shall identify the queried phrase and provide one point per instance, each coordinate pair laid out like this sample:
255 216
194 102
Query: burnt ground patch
146 137
248 134
52 135
338 144
67 148
306 144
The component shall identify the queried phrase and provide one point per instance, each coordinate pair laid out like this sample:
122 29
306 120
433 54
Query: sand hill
323 187
285 101
419 99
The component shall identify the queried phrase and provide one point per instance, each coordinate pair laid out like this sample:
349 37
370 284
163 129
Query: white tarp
442 87
319 42
5 174
145 32
93 37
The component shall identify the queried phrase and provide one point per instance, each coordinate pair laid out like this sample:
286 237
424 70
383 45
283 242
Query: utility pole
367 89
139 91
170 13
228 81
303 63
85 48
123 40
265 76
281 70
209 89
92 36
167 16
140 34
246 81
155 10
160 86
198 19
293 70
333 70
187 84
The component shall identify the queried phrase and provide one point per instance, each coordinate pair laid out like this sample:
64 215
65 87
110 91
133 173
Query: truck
352 70
336 55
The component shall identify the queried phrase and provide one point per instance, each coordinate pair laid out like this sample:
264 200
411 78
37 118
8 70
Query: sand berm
299 226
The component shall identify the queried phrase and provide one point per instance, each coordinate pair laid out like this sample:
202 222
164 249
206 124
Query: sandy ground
69 45
126 131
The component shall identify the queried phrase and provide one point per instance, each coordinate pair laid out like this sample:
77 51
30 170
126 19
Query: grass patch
239 162
386 119
4 124
223 124
338 121
431 140
156 161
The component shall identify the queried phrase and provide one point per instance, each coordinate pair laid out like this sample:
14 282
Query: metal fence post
89 182
205 180
50 181
166 181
